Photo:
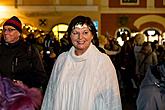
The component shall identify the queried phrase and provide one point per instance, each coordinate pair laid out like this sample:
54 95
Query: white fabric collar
82 57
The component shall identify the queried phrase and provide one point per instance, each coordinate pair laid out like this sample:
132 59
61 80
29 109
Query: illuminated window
151 34
96 24
129 2
122 35
59 30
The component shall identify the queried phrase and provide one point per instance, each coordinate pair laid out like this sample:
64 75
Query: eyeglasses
8 30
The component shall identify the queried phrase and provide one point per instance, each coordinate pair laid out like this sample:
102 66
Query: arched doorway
59 30
152 34
122 34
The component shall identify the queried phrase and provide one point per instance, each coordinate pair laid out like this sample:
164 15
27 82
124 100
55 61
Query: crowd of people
133 62
82 71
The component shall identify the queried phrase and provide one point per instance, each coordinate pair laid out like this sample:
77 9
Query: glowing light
59 30
121 42
3 8
151 32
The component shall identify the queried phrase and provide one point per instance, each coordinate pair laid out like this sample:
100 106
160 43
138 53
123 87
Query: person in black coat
19 61
152 89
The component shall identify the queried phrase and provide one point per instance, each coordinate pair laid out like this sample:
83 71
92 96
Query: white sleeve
48 101
109 98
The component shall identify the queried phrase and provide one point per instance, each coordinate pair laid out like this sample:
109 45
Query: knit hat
14 22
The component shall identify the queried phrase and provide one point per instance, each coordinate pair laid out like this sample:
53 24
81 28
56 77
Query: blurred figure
1 39
30 39
139 40
145 58
102 42
155 45
113 49
112 45
49 55
17 96
19 61
160 52
127 65
40 44
82 78
65 44
152 89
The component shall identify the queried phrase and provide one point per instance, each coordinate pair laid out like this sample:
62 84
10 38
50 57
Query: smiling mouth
80 42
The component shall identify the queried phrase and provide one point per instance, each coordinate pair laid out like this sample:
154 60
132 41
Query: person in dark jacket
152 89
19 61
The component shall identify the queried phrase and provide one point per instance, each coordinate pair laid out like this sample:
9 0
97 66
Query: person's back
152 90
145 58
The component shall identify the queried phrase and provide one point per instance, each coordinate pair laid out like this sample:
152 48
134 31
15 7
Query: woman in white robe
82 78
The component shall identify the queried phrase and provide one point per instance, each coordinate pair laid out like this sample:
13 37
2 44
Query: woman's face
81 38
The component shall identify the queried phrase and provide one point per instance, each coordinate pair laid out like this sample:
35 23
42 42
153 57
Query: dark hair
82 20
161 57
145 44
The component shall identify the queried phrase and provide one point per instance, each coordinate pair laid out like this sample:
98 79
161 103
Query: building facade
111 15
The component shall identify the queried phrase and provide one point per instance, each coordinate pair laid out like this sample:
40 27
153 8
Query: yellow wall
63 17
7 2
73 2
54 11
37 2
56 15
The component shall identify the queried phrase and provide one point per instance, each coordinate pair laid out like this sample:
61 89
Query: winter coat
22 62
144 61
152 90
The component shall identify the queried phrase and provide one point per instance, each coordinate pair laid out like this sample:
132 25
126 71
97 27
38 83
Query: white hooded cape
85 82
